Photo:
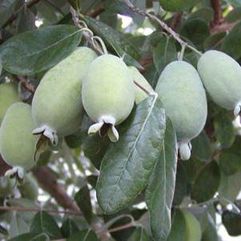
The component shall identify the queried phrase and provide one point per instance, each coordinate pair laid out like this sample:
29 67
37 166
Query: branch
14 16
48 182
216 5
23 209
163 25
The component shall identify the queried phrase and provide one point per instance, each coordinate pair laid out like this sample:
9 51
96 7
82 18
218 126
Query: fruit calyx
185 150
103 123
237 109
17 172
48 132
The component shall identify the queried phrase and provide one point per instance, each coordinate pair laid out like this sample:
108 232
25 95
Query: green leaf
35 51
196 30
230 163
84 235
201 147
182 185
139 234
69 227
234 15
231 43
161 187
7 8
115 39
210 232
18 224
82 198
230 186
209 177
224 130
164 52
44 223
178 230
127 164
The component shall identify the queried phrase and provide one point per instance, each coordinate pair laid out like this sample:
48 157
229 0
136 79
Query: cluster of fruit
107 89
102 85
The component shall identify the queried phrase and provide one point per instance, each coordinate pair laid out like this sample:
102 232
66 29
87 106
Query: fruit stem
143 88
181 55
163 25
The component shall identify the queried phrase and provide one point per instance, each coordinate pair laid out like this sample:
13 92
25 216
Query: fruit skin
17 144
8 96
183 96
6 186
137 77
193 227
221 76
108 93
29 187
57 106
177 5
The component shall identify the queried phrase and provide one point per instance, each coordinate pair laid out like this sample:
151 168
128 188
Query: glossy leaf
31 237
232 222
161 187
35 51
127 164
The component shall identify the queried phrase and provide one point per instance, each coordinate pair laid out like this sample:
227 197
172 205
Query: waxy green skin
6 186
221 76
183 96
57 101
193 227
17 144
108 92
137 77
8 96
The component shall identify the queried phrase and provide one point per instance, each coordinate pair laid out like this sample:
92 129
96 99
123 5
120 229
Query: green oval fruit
29 187
108 93
193 227
177 5
8 96
183 96
142 88
221 76
6 186
17 144
57 106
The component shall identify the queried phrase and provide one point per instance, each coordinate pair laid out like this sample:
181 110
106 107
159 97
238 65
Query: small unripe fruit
183 96
193 227
6 186
108 93
57 106
142 88
221 76
8 96
17 144
29 187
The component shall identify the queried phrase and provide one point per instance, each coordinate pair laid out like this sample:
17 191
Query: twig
14 16
22 209
163 25
48 182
